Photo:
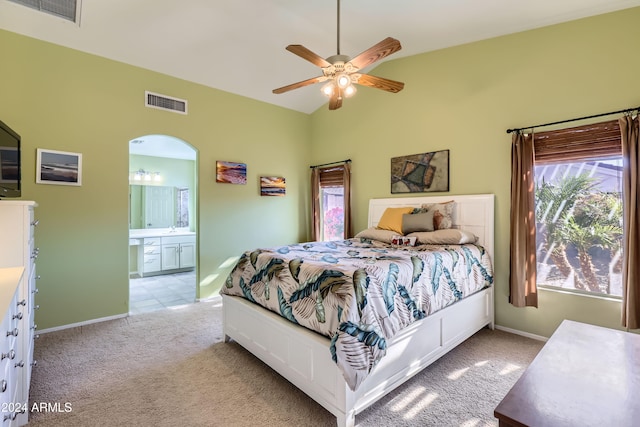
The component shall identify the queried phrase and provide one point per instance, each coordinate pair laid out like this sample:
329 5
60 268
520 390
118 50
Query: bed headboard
474 213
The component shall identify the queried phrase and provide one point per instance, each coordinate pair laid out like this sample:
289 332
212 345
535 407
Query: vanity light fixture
142 175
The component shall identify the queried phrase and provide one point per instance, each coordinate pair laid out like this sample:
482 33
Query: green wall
463 99
62 99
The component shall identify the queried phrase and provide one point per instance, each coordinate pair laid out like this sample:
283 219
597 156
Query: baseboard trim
522 333
87 322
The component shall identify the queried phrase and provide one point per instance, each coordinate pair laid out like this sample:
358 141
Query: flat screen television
9 162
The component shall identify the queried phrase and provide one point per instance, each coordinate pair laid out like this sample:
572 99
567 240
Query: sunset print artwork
231 173
272 186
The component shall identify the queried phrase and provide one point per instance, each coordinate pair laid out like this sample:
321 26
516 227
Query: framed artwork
231 172
420 173
58 167
272 186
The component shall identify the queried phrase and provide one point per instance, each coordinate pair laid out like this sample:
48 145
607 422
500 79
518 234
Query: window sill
579 293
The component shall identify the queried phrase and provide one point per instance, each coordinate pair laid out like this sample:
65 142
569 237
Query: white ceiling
239 45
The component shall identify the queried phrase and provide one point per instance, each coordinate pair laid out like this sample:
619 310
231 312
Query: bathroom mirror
153 206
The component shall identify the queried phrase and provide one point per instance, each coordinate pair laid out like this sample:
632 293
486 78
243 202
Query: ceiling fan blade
379 83
297 85
336 99
376 52
305 53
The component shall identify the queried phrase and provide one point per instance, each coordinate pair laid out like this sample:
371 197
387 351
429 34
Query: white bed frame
303 357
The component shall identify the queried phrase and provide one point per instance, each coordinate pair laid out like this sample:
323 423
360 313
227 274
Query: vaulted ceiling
239 45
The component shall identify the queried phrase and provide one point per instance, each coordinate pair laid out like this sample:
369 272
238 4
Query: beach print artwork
231 173
272 186
58 167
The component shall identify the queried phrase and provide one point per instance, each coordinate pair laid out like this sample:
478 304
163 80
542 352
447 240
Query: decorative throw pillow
404 240
417 222
375 234
392 219
441 214
450 236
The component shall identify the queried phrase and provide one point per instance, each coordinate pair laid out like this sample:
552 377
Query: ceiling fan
341 71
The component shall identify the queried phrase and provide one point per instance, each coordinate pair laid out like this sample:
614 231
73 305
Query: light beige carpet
171 368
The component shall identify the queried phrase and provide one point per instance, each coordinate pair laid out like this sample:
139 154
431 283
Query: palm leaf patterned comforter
358 292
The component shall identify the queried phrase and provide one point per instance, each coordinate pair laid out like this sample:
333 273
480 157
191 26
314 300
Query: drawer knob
23 302
36 307
35 223
35 291
11 355
17 316
34 363
34 327
3 386
13 333
19 364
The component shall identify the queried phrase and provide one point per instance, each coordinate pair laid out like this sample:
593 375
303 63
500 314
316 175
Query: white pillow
448 236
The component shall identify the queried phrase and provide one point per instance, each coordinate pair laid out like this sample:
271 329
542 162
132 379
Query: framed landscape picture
420 173
231 172
58 167
272 186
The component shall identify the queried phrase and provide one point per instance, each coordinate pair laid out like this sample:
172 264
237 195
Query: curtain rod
628 110
332 163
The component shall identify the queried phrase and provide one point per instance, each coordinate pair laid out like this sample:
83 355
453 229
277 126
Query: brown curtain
315 204
631 223
523 291
346 181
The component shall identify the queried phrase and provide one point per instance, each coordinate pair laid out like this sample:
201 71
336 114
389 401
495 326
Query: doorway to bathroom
162 223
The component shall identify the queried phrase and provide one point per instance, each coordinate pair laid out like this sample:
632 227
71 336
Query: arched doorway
162 223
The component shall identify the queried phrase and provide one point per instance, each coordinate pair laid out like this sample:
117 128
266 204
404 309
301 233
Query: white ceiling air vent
164 102
67 9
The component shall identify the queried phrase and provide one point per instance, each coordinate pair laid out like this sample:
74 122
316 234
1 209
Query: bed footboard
303 357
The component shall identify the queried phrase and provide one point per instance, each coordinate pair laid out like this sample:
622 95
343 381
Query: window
578 191
331 202
332 227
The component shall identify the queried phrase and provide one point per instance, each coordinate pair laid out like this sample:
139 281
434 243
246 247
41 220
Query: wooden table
584 376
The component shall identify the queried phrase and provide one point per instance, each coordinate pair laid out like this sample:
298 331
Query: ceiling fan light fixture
328 89
343 81
349 91
342 72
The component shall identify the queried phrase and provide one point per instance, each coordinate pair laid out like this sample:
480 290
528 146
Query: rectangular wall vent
67 9
164 102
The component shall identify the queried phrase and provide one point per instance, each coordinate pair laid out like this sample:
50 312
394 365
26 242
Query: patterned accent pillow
404 240
441 214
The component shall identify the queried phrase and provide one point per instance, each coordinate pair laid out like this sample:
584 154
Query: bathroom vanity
162 251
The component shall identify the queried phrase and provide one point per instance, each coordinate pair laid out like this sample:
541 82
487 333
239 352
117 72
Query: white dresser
17 249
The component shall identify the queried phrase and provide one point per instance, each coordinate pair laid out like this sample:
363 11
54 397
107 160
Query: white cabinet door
187 255
170 256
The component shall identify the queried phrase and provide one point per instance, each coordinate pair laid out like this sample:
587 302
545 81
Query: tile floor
159 292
